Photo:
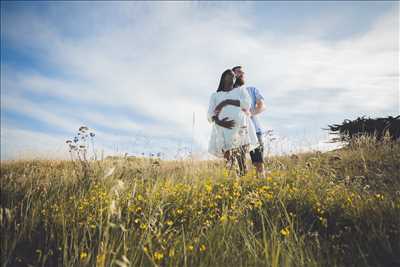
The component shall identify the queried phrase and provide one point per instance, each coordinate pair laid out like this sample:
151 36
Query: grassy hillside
339 208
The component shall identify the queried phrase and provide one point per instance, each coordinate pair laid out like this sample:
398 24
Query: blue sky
136 72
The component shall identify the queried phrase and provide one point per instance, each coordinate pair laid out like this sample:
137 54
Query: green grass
339 208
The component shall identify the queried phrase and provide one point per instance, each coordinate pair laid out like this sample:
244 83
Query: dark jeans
257 155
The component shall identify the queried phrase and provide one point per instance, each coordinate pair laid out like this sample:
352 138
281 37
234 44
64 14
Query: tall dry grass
318 209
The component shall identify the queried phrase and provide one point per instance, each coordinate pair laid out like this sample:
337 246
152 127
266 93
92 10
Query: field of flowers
340 208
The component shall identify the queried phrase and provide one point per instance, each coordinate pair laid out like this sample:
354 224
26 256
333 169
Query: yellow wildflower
208 188
158 255
265 188
223 218
83 255
100 260
285 231
257 203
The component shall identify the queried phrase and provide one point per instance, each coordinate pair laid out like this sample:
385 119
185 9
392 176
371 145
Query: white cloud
283 145
166 62
24 144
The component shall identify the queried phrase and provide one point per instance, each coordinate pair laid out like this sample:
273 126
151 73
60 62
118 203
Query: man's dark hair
222 86
237 67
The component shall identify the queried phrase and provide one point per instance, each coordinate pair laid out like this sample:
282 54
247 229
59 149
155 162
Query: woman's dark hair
222 86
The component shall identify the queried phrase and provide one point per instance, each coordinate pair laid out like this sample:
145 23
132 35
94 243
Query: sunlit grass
334 209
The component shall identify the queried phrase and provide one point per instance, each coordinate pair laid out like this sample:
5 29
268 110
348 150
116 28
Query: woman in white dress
234 134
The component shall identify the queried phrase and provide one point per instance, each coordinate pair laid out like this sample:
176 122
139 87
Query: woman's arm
229 124
226 102
225 123
212 115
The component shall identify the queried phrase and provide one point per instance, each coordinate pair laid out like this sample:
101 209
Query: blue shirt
255 96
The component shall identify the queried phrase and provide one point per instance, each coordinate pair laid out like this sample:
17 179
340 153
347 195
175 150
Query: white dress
243 133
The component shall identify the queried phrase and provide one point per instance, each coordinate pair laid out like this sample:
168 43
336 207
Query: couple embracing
236 130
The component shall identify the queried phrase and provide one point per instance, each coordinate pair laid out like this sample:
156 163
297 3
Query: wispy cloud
27 144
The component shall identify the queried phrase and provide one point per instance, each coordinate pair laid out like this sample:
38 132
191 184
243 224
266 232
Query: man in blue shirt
257 106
